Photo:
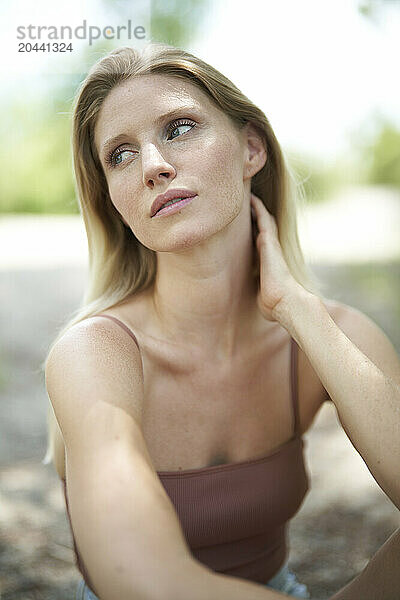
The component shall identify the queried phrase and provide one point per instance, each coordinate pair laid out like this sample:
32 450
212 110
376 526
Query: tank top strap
294 354
121 324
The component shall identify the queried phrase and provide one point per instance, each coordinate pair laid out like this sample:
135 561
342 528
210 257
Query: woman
203 350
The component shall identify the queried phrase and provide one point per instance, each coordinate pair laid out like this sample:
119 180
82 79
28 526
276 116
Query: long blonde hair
119 265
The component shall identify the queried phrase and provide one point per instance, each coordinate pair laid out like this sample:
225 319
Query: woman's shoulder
92 357
90 333
110 319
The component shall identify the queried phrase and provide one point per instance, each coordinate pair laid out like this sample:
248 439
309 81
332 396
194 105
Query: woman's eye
117 156
178 125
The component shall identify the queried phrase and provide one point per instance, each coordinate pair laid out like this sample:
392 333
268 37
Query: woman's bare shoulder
99 325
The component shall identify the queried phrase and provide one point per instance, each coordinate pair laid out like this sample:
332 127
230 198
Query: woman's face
194 146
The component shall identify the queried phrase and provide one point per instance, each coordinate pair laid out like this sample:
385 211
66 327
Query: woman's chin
181 238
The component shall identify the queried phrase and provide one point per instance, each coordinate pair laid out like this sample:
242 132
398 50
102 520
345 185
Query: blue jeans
283 581
286 581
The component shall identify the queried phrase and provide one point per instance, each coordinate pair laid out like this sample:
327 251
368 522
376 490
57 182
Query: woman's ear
255 154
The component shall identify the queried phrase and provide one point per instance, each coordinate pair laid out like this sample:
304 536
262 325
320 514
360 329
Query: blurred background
324 73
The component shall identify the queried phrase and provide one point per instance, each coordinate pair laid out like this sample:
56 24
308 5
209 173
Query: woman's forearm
380 580
198 582
367 401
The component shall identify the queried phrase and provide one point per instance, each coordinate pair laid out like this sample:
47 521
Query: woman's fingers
264 218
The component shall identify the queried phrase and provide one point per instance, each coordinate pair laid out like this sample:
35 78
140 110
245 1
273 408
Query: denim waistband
286 581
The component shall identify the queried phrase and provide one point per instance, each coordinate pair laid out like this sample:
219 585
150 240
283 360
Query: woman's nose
155 167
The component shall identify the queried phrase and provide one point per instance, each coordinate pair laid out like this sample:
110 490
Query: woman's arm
366 396
361 378
199 582
366 392
357 361
380 580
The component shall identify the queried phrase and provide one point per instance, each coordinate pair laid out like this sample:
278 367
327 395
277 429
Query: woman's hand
276 281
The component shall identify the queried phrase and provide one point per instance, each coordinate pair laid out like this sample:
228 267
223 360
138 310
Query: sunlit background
325 72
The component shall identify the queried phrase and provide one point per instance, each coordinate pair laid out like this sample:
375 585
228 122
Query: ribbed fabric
234 516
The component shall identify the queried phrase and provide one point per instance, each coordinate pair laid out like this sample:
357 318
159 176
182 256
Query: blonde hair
119 265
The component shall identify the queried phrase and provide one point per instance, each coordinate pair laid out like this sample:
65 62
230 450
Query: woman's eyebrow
110 142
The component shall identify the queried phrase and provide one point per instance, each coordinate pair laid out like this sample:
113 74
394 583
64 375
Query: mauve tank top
235 515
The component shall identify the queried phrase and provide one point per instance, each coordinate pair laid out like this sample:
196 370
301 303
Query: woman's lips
172 208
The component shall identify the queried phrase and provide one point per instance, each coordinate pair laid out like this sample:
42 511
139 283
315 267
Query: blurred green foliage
323 177
176 22
371 158
35 164
381 155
